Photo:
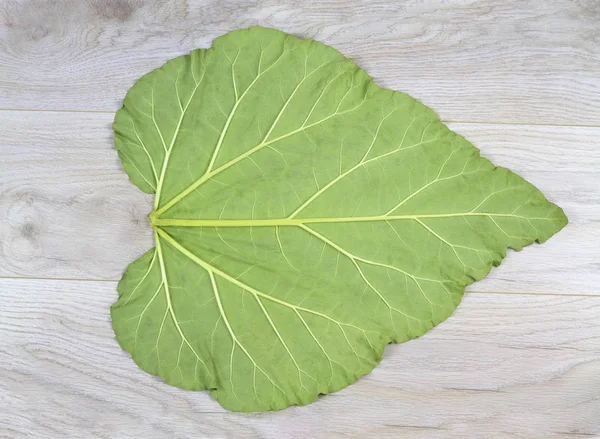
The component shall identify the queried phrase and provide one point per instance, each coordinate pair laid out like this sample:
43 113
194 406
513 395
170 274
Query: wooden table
520 78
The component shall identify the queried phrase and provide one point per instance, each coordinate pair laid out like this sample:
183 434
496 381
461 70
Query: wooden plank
521 61
67 209
513 366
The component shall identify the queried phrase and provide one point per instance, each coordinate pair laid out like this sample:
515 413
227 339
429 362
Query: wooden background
520 78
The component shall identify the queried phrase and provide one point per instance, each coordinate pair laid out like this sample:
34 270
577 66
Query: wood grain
67 209
521 61
503 366
519 78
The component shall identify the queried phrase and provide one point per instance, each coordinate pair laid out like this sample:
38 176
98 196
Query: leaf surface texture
304 218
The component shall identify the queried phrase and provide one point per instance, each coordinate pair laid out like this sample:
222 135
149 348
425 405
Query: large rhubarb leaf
304 218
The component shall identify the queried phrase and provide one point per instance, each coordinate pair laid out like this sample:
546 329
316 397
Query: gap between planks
527 124
515 293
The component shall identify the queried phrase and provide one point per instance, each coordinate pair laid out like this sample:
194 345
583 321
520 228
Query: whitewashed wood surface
520 358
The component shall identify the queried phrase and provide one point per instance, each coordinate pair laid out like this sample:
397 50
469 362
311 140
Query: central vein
160 222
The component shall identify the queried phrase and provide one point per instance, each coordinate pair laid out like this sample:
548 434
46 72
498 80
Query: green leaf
304 218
